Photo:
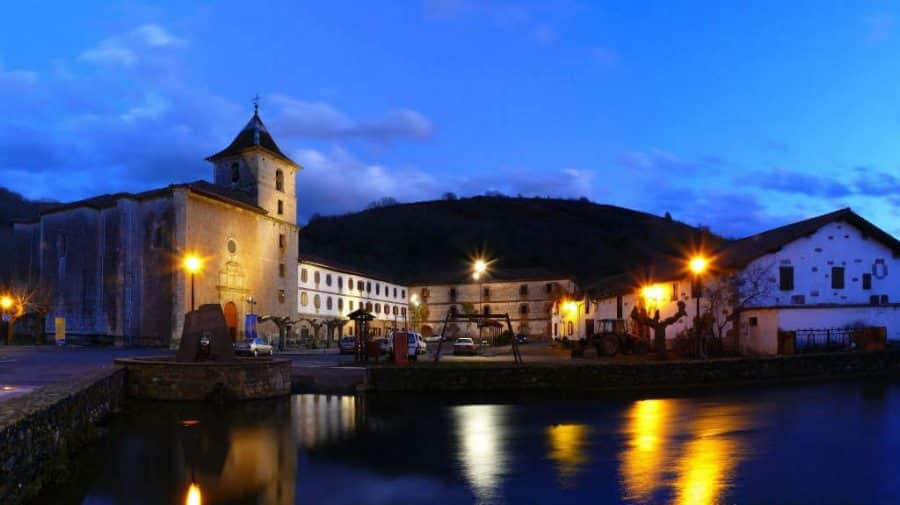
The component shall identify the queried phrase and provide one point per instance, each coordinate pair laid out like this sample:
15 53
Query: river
816 443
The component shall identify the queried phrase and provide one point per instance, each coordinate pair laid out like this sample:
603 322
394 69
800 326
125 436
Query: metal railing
828 339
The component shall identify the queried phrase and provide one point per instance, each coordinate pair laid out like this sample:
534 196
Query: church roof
200 187
254 135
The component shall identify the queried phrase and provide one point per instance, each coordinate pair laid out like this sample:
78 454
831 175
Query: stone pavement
23 368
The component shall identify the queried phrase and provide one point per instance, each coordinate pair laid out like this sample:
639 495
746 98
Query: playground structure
482 320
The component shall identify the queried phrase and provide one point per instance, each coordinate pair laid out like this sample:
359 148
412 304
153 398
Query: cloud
605 55
873 183
126 49
879 27
777 146
659 161
297 118
795 182
323 182
539 20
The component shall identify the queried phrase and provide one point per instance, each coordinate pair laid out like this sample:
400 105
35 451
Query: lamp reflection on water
568 449
645 459
482 452
323 418
703 465
193 495
708 461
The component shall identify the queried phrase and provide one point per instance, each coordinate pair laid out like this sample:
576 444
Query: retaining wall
163 378
41 431
629 376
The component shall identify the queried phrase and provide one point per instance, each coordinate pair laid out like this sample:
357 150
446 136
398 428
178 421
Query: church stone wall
252 270
69 256
158 264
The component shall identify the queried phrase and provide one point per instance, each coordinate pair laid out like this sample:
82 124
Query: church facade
112 265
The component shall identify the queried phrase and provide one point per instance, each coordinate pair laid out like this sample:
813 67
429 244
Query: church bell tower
256 170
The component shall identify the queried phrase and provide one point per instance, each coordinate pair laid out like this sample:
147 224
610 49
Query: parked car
386 344
464 345
521 338
347 345
253 347
417 344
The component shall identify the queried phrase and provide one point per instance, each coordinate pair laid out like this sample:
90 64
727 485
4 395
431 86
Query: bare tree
283 323
728 295
659 326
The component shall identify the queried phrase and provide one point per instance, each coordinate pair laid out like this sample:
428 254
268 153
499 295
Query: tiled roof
201 187
739 253
494 274
253 136
345 268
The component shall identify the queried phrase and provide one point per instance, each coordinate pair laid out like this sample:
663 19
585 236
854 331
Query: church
113 265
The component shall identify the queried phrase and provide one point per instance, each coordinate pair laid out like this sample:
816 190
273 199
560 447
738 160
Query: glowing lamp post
478 270
7 306
698 265
192 264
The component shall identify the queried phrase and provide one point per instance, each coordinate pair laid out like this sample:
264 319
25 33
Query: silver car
253 347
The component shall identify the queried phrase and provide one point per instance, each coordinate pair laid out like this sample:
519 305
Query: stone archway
231 316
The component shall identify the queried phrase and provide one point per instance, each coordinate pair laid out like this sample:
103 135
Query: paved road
40 365
23 368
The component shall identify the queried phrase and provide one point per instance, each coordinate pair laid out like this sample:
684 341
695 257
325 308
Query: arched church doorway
230 310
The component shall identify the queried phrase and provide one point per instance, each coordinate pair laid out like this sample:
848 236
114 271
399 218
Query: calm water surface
824 443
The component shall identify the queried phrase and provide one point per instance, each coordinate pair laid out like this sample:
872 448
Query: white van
417 344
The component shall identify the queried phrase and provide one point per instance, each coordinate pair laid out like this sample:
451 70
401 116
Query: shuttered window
837 277
786 278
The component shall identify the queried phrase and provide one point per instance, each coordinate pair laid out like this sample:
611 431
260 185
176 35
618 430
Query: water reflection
568 449
644 461
324 418
482 451
706 467
679 447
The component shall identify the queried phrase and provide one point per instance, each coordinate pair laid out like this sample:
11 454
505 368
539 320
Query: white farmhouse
830 272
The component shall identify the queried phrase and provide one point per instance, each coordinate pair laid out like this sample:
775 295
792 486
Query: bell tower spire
254 165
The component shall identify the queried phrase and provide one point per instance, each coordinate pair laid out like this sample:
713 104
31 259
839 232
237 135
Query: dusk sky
736 115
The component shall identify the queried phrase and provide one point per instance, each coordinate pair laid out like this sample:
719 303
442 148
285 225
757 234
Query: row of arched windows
361 286
377 308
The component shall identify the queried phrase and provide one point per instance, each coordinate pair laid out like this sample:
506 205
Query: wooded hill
410 243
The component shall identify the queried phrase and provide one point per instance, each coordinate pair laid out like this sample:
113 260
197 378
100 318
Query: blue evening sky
737 115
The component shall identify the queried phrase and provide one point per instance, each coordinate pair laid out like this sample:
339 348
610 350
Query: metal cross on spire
256 104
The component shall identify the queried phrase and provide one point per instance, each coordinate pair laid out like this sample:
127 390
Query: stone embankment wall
243 379
42 430
630 376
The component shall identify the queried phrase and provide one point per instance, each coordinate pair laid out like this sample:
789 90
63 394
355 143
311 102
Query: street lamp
698 265
192 264
6 304
479 268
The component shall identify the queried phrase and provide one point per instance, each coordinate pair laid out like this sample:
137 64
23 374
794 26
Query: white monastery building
328 292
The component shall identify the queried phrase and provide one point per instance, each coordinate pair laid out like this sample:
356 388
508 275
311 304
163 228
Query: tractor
612 338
